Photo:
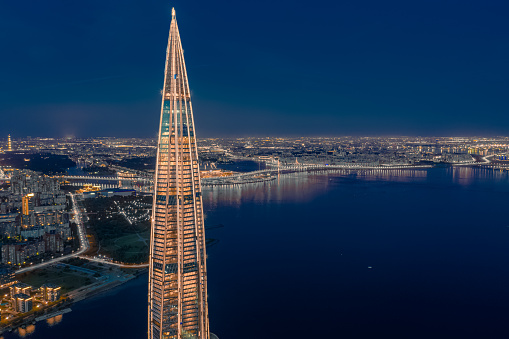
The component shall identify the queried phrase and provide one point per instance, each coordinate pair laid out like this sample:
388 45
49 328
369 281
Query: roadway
103 261
112 178
300 168
272 170
84 246
276 169
82 235
484 161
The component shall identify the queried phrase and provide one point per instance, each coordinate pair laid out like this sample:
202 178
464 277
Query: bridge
238 178
112 178
138 183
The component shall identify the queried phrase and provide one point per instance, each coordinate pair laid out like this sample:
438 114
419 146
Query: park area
60 275
120 227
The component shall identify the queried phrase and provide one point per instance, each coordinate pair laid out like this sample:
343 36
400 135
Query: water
76 171
242 166
46 163
294 258
117 313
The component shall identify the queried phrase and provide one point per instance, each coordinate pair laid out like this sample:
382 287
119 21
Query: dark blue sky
364 67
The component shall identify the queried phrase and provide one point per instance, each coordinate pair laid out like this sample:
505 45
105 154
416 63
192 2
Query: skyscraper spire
177 264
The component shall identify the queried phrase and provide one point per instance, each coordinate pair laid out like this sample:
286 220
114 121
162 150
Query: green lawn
129 248
68 280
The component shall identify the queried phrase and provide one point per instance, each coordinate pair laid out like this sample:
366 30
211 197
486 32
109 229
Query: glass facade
177 270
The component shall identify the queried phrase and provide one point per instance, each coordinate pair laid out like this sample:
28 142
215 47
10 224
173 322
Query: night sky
257 68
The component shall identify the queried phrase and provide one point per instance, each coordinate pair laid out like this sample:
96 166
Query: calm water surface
403 254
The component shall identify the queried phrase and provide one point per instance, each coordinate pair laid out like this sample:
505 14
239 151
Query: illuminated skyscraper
178 275
27 204
9 143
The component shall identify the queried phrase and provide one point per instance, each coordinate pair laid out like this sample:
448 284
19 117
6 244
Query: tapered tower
177 272
9 143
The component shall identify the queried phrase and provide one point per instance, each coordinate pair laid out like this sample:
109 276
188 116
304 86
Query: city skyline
354 150
377 69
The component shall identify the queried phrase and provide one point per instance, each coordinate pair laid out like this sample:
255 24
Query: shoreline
32 319
106 287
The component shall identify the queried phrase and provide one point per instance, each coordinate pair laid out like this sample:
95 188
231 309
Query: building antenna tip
173 12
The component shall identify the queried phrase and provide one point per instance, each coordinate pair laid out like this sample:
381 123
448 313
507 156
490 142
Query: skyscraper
177 266
27 203
9 143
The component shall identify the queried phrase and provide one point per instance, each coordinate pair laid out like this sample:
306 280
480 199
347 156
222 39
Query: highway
484 161
273 170
240 178
84 246
82 234
113 178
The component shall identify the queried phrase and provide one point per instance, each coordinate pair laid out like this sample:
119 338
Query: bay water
367 254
